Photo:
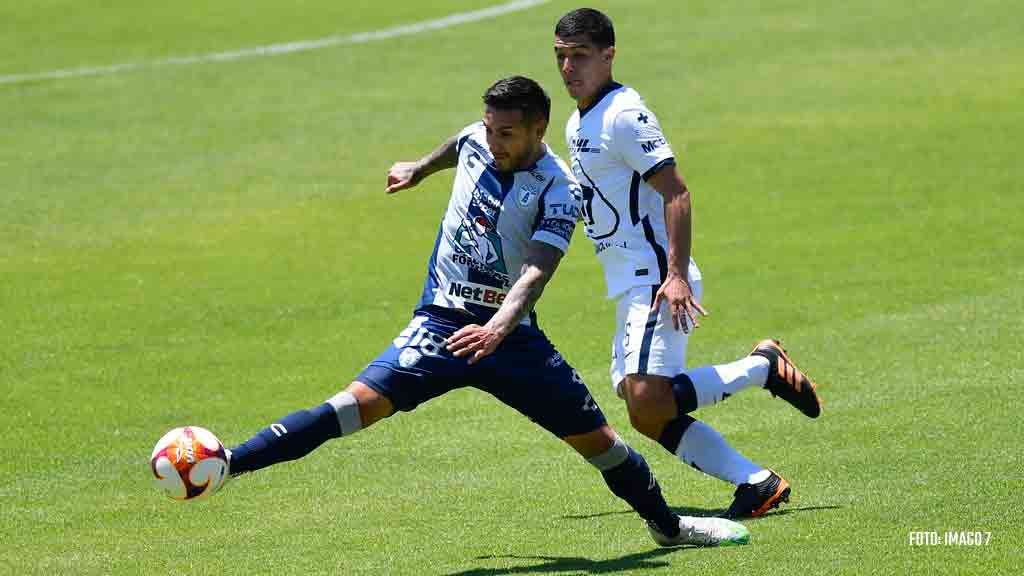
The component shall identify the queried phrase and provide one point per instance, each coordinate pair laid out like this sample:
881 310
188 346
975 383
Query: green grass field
210 244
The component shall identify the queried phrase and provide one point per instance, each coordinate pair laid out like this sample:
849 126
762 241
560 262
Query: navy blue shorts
525 372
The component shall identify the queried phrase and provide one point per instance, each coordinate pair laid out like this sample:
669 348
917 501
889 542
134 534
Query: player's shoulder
556 173
551 166
627 105
473 132
475 129
627 97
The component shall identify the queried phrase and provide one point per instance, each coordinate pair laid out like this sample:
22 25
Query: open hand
681 302
475 340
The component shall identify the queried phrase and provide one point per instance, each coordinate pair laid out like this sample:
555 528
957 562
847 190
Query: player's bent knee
650 402
346 408
612 457
592 443
648 389
360 407
646 424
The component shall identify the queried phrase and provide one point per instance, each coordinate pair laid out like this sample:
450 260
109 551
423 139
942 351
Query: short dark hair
587 21
519 93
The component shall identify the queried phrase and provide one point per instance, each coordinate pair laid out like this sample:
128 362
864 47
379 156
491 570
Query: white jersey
490 221
616 144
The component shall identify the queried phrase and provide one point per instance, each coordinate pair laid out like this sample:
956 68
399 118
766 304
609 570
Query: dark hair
589 22
519 93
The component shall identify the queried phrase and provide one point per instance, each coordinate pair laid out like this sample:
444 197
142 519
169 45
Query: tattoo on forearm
442 157
520 301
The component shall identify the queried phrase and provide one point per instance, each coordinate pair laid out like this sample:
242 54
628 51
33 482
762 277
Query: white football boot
698 531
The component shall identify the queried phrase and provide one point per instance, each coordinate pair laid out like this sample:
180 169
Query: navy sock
685 393
634 482
673 432
292 437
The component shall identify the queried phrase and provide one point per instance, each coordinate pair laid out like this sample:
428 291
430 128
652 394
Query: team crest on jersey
527 193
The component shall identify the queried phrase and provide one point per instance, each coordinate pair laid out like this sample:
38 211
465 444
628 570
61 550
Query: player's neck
588 101
532 158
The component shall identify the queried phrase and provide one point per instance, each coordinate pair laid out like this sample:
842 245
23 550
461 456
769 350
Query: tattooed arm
541 262
404 175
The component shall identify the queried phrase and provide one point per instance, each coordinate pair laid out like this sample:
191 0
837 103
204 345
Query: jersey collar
607 89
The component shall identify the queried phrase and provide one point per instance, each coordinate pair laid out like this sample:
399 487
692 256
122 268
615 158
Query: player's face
584 67
513 143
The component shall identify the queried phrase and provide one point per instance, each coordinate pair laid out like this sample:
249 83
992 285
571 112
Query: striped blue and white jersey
615 145
490 221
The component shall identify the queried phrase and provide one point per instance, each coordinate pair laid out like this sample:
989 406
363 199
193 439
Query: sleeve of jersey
558 210
641 143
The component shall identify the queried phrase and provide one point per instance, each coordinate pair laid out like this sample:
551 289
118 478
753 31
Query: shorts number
416 336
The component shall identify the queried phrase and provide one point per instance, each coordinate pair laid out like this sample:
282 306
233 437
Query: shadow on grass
794 510
555 564
690 511
682 511
640 561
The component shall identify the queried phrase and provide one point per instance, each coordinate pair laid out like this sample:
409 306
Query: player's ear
609 54
540 127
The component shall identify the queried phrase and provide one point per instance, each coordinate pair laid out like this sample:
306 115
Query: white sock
716 383
704 448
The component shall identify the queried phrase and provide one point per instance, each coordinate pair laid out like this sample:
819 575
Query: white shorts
645 341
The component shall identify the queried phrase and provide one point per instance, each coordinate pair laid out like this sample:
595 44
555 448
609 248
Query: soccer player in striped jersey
512 211
636 210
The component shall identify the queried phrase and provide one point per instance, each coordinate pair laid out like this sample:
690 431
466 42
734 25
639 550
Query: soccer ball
189 463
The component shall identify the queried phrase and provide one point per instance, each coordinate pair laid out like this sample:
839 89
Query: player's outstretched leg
786 381
627 475
301 432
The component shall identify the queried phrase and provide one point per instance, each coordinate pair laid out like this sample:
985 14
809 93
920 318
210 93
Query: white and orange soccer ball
189 463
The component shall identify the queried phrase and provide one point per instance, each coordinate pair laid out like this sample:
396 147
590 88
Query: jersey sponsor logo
652 145
561 228
567 210
478 152
471 262
486 203
606 244
476 237
646 127
472 293
582 146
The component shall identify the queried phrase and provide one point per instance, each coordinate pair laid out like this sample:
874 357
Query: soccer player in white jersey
512 212
636 209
